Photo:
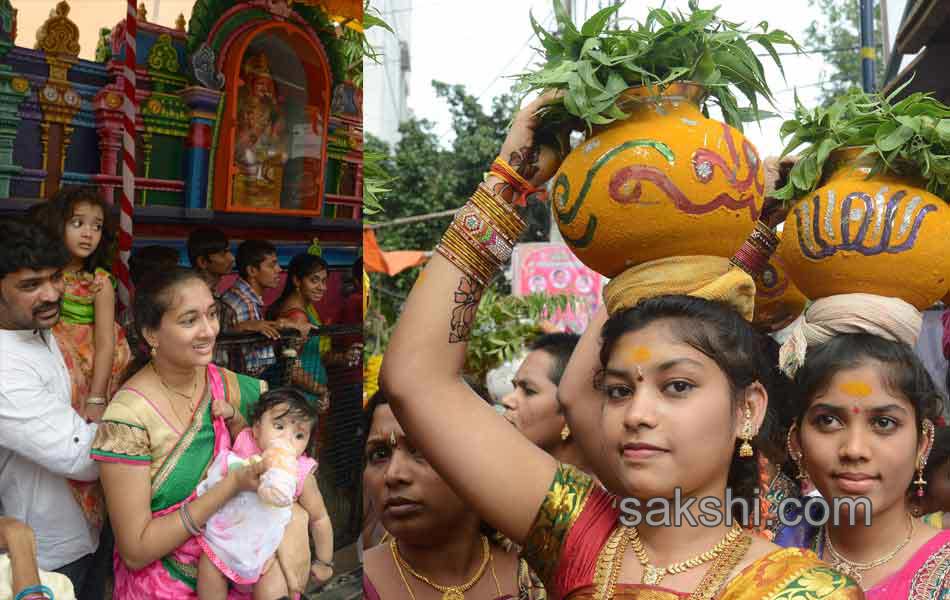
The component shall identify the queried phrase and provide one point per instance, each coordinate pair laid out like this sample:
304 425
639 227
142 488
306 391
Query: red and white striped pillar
128 161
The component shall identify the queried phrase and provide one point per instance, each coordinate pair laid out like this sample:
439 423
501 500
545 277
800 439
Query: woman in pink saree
158 437
863 431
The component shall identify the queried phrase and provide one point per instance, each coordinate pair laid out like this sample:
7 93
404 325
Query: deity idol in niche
261 145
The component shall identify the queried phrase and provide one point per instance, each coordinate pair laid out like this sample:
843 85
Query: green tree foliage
429 177
837 35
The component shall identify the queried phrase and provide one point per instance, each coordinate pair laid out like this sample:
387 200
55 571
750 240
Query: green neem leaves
595 63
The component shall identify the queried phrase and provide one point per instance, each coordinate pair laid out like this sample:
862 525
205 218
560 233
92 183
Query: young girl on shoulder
242 537
93 345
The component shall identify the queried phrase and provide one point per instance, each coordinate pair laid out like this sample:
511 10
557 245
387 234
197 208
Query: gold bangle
483 234
461 264
499 211
479 263
462 257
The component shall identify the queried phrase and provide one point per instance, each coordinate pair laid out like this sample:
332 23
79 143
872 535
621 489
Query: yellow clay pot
885 235
778 301
665 182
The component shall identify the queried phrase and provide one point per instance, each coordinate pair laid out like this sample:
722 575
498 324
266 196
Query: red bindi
855 410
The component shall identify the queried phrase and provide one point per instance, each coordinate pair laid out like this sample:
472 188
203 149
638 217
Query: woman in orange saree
670 414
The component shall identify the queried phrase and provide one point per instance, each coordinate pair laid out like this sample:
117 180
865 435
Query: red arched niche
245 183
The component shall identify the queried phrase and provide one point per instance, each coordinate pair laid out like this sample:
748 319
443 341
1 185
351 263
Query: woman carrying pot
863 432
674 404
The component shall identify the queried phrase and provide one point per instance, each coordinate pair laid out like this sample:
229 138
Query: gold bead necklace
449 592
854 569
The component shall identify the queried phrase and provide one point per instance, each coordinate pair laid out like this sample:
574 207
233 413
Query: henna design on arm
467 297
525 161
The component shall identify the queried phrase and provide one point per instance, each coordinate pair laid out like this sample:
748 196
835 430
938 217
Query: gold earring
745 450
566 432
795 456
152 351
928 433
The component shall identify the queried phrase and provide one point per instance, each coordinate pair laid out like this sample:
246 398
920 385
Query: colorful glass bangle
454 248
482 232
33 590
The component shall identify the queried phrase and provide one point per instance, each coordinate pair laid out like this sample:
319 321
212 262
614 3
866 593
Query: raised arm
104 305
581 402
501 474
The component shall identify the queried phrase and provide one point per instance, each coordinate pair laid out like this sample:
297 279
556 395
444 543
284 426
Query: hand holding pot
535 162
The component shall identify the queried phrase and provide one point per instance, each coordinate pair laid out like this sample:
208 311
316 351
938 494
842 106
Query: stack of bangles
482 235
185 515
755 252
35 592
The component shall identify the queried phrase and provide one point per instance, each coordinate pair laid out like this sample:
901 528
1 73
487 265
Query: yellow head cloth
710 277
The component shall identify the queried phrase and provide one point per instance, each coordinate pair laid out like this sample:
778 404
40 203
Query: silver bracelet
187 521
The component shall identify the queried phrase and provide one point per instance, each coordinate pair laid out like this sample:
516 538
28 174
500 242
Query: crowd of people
137 454
670 392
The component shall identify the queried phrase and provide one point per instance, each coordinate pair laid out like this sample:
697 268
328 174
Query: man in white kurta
43 441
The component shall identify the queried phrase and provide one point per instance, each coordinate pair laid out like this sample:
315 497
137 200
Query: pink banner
553 269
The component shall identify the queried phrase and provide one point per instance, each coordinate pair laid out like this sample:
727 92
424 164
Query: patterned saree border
787 574
183 443
931 579
116 441
187 574
564 502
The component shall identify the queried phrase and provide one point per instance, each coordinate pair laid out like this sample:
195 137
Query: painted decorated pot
885 235
778 301
665 182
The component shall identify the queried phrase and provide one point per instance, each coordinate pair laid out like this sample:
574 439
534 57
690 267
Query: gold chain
610 563
392 547
654 575
854 569
171 402
194 387
449 592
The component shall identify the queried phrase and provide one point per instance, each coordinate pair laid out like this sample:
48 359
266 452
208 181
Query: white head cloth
888 318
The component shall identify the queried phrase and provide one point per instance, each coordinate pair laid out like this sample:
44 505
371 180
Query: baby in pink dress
241 538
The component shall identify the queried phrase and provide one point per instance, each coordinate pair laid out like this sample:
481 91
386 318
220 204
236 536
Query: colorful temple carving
248 117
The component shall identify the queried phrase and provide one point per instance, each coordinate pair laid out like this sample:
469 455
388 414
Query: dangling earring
795 456
152 351
745 450
928 432
566 432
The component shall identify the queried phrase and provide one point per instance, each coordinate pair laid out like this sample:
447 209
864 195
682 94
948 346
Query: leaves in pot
911 137
597 62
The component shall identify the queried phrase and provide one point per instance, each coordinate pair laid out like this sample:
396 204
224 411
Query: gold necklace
610 563
855 569
190 398
654 575
449 592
